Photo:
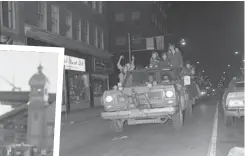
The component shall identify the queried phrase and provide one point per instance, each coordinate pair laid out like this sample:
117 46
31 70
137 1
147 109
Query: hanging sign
74 63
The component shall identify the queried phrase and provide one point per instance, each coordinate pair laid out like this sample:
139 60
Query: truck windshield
141 77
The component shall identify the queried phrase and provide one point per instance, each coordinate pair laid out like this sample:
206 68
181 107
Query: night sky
214 31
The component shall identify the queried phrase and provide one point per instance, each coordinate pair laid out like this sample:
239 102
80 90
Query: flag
160 42
150 43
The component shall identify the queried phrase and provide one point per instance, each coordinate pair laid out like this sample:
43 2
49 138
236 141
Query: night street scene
146 78
28 88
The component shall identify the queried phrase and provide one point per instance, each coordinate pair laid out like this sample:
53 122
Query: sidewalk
81 115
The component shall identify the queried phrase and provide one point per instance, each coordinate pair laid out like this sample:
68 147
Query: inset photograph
30 97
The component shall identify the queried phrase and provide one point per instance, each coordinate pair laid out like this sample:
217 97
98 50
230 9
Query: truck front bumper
137 113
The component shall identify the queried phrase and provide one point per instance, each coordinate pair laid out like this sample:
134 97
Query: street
95 138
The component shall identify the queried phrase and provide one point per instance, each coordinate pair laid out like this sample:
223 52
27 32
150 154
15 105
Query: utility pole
129 48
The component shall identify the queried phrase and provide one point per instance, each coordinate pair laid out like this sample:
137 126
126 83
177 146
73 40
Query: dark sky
214 31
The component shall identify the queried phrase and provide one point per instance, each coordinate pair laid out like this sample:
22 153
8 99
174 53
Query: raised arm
119 66
132 63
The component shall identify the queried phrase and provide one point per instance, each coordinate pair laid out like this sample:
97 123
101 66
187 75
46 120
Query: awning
42 35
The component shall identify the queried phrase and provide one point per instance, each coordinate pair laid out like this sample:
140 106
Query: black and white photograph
29 84
139 78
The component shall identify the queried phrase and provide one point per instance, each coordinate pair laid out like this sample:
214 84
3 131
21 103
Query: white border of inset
60 52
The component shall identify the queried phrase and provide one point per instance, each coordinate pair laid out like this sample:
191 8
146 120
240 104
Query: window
136 15
85 31
136 39
95 37
94 5
42 14
100 39
7 14
120 41
78 31
119 17
55 19
100 7
68 23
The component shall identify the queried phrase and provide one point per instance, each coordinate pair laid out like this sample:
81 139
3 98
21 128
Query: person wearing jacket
175 60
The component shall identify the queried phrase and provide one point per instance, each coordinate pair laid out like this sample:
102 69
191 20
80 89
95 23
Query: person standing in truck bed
175 60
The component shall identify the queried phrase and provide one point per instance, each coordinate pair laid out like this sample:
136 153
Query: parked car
233 100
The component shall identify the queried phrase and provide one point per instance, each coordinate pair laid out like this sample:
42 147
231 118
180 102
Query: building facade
130 22
80 27
139 19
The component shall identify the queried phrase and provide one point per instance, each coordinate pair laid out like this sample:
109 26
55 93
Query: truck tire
178 119
229 120
117 125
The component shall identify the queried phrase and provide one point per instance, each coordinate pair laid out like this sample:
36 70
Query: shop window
78 87
99 86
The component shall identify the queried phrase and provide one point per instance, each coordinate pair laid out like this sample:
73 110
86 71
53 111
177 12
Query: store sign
74 63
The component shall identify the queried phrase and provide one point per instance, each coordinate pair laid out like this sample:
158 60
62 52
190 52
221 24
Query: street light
182 42
236 53
198 62
229 65
223 72
203 71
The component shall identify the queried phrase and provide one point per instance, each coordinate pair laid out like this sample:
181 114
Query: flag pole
129 48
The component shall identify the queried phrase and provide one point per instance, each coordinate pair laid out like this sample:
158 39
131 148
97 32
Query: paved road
94 137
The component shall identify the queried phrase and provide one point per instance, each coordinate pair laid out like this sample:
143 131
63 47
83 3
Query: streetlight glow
198 62
203 71
236 52
229 65
223 72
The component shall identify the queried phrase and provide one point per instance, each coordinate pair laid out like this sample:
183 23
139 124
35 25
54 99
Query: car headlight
235 103
169 94
108 99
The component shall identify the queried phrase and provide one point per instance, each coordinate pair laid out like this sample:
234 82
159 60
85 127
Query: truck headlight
203 93
235 103
108 99
169 94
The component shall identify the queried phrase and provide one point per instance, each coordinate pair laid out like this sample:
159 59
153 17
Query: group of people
171 59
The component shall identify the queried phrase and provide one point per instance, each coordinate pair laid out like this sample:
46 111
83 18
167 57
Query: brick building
80 27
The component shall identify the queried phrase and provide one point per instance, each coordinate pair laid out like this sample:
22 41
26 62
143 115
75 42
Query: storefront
86 77
100 78
77 83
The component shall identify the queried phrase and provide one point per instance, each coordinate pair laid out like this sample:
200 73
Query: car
233 100
142 102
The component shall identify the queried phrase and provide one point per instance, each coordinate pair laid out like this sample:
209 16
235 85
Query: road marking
213 140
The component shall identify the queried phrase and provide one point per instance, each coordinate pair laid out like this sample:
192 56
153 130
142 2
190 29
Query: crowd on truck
171 59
